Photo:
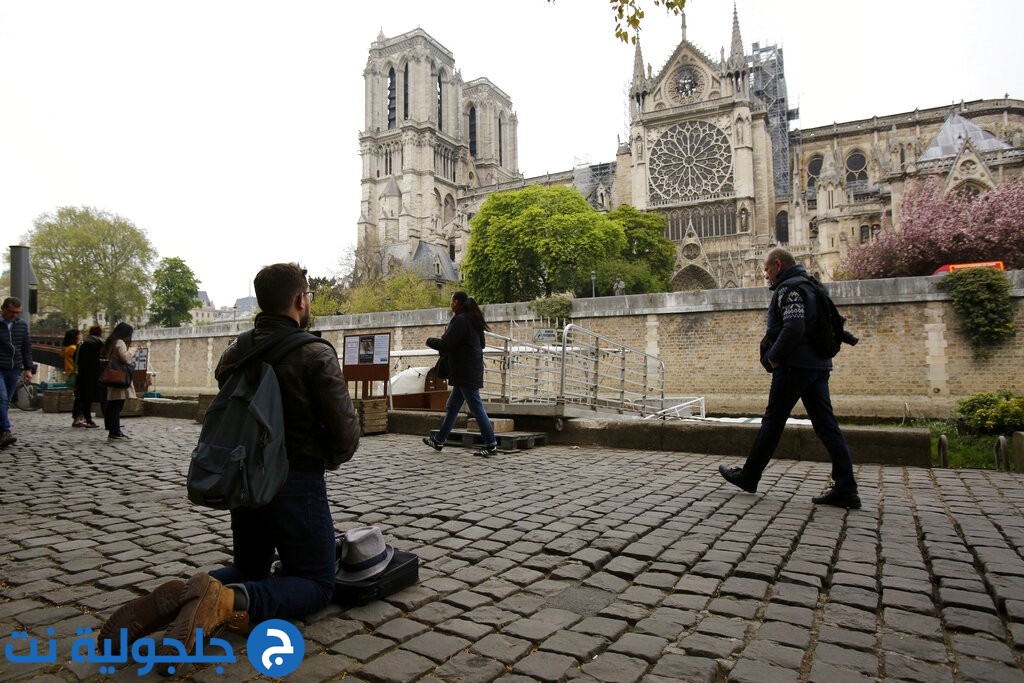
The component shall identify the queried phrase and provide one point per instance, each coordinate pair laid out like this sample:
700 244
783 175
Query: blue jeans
7 388
297 523
810 386
471 397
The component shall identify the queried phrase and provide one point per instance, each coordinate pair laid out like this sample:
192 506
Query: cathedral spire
737 61
641 84
682 15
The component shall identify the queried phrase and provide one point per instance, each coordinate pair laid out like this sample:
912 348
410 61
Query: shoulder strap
274 347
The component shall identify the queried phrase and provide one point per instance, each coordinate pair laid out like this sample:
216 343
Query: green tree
536 241
400 290
175 291
329 296
87 261
649 257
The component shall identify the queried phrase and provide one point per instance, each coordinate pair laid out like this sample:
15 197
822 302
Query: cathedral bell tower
428 137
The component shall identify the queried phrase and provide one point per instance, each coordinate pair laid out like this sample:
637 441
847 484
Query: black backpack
241 460
830 334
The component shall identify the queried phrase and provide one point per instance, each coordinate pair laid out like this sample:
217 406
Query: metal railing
575 372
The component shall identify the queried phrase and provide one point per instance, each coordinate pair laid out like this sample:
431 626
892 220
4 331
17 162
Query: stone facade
710 148
911 356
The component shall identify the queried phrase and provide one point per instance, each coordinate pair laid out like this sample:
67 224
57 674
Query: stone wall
911 356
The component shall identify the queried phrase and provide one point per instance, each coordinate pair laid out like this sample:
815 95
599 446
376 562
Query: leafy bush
992 413
982 298
557 307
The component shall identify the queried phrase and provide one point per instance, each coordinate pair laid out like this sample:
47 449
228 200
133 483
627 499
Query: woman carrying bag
463 345
115 350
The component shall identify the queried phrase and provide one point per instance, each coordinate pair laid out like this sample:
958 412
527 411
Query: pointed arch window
440 101
501 145
392 99
813 171
782 227
472 132
405 93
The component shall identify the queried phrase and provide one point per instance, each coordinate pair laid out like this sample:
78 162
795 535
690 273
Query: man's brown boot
207 604
142 616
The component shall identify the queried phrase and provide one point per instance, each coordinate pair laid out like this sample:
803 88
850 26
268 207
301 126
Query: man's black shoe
839 499
429 441
735 476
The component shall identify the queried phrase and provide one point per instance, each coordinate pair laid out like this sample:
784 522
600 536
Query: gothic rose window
690 161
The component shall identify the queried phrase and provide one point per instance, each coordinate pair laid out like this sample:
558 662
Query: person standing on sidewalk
799 373
463 344
87 386
321 432
15 362
116 347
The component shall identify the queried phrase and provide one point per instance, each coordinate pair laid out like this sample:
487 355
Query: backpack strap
274 347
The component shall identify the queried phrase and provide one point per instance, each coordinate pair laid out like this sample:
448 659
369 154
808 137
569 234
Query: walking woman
116 347
463 344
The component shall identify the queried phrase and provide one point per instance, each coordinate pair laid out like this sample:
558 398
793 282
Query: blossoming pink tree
935 230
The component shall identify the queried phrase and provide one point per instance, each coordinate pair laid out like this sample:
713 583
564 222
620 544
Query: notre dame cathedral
709 148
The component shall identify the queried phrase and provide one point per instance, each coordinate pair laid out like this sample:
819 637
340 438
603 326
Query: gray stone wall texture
912 358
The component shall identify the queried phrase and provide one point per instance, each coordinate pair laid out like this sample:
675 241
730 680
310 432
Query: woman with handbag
115 350
463 345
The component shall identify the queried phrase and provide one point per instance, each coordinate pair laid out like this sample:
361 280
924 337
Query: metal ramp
574 372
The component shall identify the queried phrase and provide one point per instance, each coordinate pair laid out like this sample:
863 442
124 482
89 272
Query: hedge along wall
911 356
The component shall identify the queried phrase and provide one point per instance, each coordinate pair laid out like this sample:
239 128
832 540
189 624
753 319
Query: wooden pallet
507 441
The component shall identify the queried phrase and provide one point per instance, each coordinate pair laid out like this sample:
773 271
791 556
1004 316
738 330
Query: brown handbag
116 374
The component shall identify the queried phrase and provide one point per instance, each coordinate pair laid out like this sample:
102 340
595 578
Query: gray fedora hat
362 554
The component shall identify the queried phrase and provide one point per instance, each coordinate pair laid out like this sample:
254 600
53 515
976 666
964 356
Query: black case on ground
401 572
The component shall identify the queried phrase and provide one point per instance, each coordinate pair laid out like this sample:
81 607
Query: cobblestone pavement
549 564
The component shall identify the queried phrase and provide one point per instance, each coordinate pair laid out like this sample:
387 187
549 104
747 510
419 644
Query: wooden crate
58 401
373 414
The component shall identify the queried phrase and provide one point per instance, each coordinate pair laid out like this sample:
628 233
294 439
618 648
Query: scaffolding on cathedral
768 82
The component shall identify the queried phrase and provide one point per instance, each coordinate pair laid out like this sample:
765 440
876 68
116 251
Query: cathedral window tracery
689 162
813 172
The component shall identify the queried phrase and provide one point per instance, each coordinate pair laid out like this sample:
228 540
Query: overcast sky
228 129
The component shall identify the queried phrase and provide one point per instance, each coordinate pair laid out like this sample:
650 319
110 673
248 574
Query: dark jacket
321 425
15 346
792 314
464 347
87 358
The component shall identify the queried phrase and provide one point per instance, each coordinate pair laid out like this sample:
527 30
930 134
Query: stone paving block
730 607
400 630
613 667
680 667
362 647
784 634
713 647
912 602
755 671
580 646
982 647
823 672
544 666
972 621
845 658
435 645
327 631
849 617
977 601
397 667
502 647
601 626
989 672
467 667
903 668
901 621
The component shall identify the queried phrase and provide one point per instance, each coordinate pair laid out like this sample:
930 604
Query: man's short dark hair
12 302
276 285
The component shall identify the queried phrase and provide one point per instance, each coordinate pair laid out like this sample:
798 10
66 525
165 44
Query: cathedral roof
955 131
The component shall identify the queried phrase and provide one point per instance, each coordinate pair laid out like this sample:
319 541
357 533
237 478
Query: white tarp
409 381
